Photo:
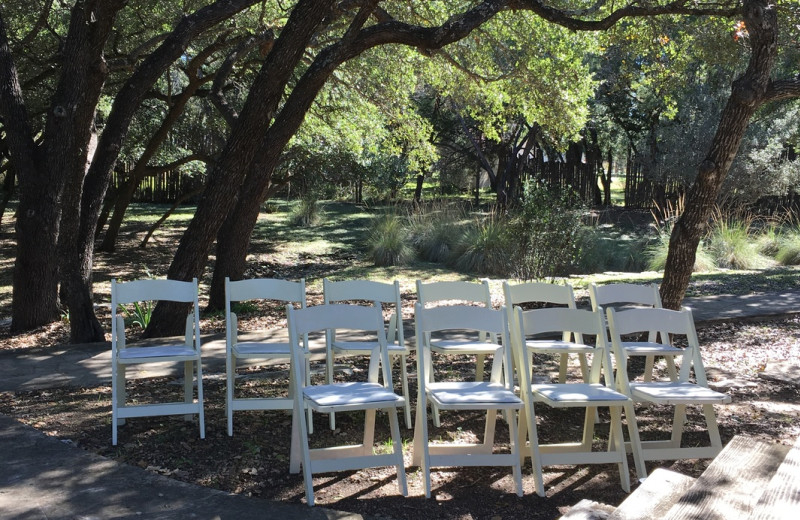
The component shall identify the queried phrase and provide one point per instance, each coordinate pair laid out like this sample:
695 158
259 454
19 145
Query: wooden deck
749 479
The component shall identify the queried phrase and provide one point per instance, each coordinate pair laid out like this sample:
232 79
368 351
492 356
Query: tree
63 176
749 92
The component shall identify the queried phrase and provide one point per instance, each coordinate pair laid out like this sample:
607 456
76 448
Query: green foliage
482 247
789 251
140 314
543 231
387 243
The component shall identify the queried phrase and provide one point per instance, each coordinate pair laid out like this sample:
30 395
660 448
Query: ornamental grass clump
387 242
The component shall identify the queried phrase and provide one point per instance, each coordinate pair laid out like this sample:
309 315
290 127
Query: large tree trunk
748 93
77 274
70 144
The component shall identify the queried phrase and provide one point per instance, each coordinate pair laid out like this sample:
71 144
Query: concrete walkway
42 477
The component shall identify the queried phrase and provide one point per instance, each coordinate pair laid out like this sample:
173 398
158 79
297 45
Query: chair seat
471 393
158 351
577 392
256 349
463 347
348 394
649 347
366 346
557 346
676 393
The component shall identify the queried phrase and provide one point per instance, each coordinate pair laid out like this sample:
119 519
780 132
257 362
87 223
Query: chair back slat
266 289
432 292
154 290
541 292
543 321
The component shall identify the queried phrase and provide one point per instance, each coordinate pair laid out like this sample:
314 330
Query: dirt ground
254 461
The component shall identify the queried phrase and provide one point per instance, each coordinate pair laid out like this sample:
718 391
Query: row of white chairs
495 329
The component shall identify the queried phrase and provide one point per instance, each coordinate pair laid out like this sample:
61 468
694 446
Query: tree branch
783 89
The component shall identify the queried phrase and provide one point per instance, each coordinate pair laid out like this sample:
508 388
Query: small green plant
433 231
789 250
656 255
140 314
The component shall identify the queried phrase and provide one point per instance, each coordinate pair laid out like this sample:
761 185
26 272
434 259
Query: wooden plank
732 484
781 499
657 494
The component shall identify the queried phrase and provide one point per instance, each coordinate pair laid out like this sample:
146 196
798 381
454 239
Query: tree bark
35 281
749 92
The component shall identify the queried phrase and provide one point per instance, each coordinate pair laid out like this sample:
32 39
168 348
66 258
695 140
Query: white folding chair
678 393
479 343
281 291
188 353
552 294
368 396
493 395
625 295
378 294
589 394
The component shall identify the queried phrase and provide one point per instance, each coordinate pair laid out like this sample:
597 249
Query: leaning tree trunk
748 93
246 139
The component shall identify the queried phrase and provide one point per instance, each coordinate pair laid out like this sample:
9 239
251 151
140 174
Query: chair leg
480 361
231 377
648 368
397 444
671 370
636 443
369 432
295 452
619 447
528 421
562 368
677 425
329 379
421 455
404 381
201 416
588 428
711 426
515 450
188 385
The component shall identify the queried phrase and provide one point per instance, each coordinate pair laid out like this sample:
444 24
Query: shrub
543 232
601 251
387 241
789 250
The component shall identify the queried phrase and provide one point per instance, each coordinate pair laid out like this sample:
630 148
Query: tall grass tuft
732 244
306 213
387 242
656 255
481 247
434 229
